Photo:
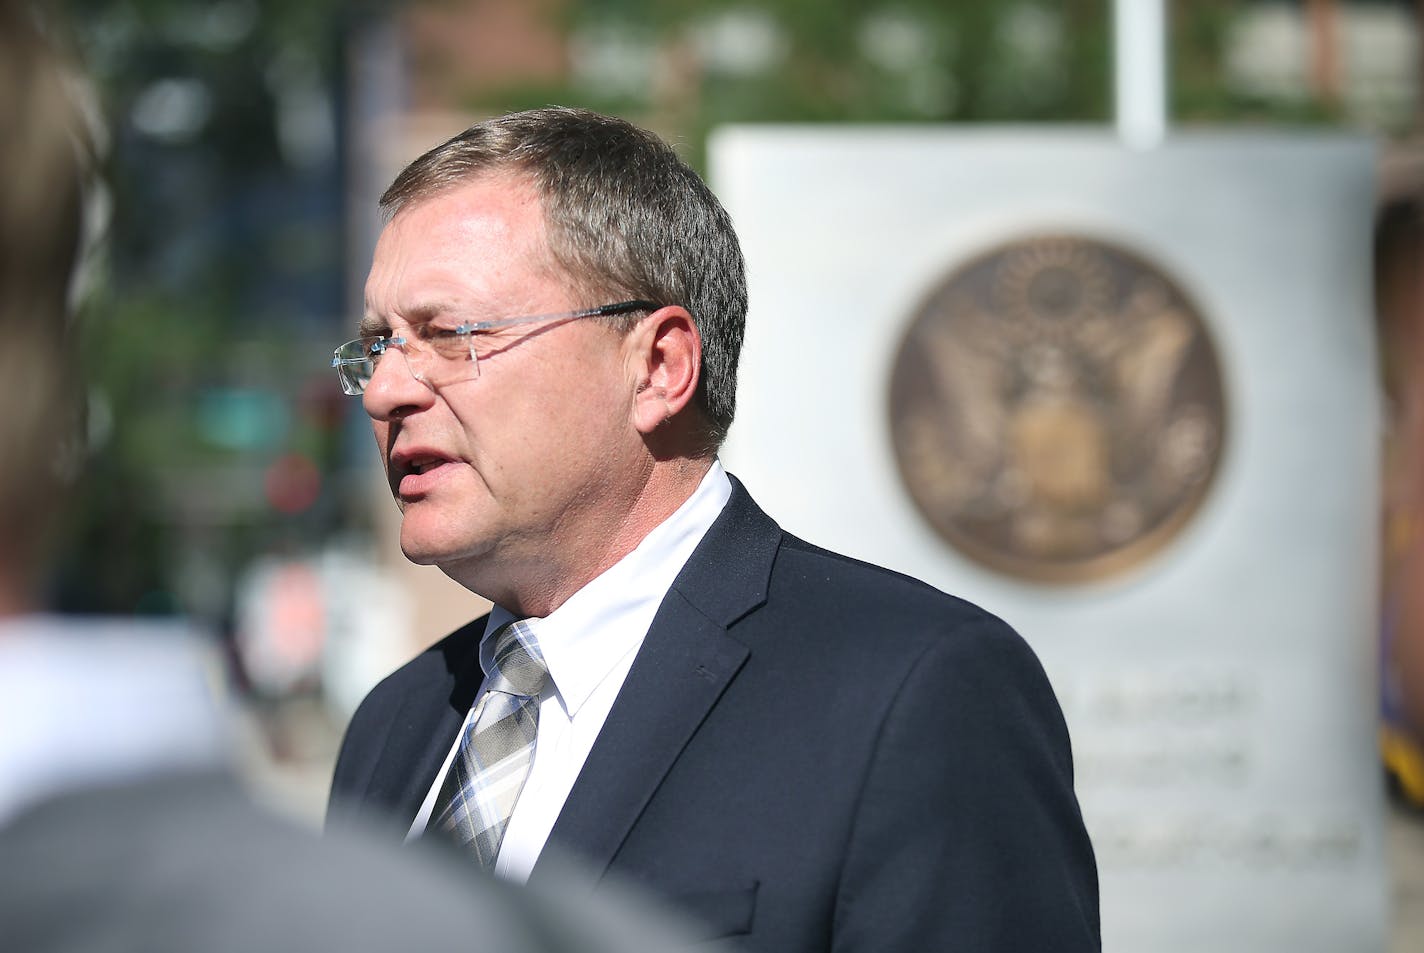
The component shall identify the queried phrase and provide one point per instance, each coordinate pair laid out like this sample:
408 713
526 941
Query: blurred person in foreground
120 827
802 750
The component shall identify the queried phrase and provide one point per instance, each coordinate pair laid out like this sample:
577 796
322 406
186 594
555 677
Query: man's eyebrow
427 311
371 326
460 312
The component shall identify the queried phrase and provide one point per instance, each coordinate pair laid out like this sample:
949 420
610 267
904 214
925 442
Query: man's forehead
474 251
469 191
492 219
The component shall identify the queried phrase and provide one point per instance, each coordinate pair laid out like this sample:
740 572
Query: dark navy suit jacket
809 752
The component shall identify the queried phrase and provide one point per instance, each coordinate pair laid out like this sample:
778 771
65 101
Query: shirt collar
584 639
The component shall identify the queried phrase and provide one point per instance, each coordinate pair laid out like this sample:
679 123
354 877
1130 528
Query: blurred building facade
250 140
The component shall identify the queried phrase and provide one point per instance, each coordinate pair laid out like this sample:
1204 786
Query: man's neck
530 589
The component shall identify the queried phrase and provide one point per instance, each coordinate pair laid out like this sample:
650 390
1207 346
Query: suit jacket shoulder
826 612
965 805
858 593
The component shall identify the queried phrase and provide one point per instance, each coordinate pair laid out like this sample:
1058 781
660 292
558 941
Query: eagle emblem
1057 409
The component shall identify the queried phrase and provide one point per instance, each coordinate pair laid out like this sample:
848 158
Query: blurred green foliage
687 66
219 286
718 61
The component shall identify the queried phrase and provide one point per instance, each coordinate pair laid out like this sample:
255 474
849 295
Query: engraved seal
1056 408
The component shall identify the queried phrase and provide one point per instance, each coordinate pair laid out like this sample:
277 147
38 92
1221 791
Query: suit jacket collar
423 727
728 574
686 663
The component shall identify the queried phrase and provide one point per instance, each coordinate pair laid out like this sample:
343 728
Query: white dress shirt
589 643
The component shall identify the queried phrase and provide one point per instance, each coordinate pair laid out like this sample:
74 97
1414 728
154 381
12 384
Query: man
120 827
803 750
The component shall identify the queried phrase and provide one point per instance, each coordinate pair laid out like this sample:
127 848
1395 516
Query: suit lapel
685 664
424 727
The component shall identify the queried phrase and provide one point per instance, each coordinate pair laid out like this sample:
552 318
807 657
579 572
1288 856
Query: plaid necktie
488 772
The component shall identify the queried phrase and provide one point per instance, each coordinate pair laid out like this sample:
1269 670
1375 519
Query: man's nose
395 388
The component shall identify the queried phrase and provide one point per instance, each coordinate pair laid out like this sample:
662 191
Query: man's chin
435 550
419 556
422 549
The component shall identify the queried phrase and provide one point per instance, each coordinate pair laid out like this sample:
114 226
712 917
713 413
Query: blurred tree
221 284
715 61
686 66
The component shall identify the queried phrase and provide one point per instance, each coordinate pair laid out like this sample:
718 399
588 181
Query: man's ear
666 357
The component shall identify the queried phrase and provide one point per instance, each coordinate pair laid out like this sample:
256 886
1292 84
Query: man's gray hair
627 220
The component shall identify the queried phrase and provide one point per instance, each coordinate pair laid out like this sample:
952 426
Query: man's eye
449 342
432 333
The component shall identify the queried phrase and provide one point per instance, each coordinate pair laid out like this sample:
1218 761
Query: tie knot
518 661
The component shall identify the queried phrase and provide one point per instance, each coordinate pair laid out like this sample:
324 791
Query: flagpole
1140 72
